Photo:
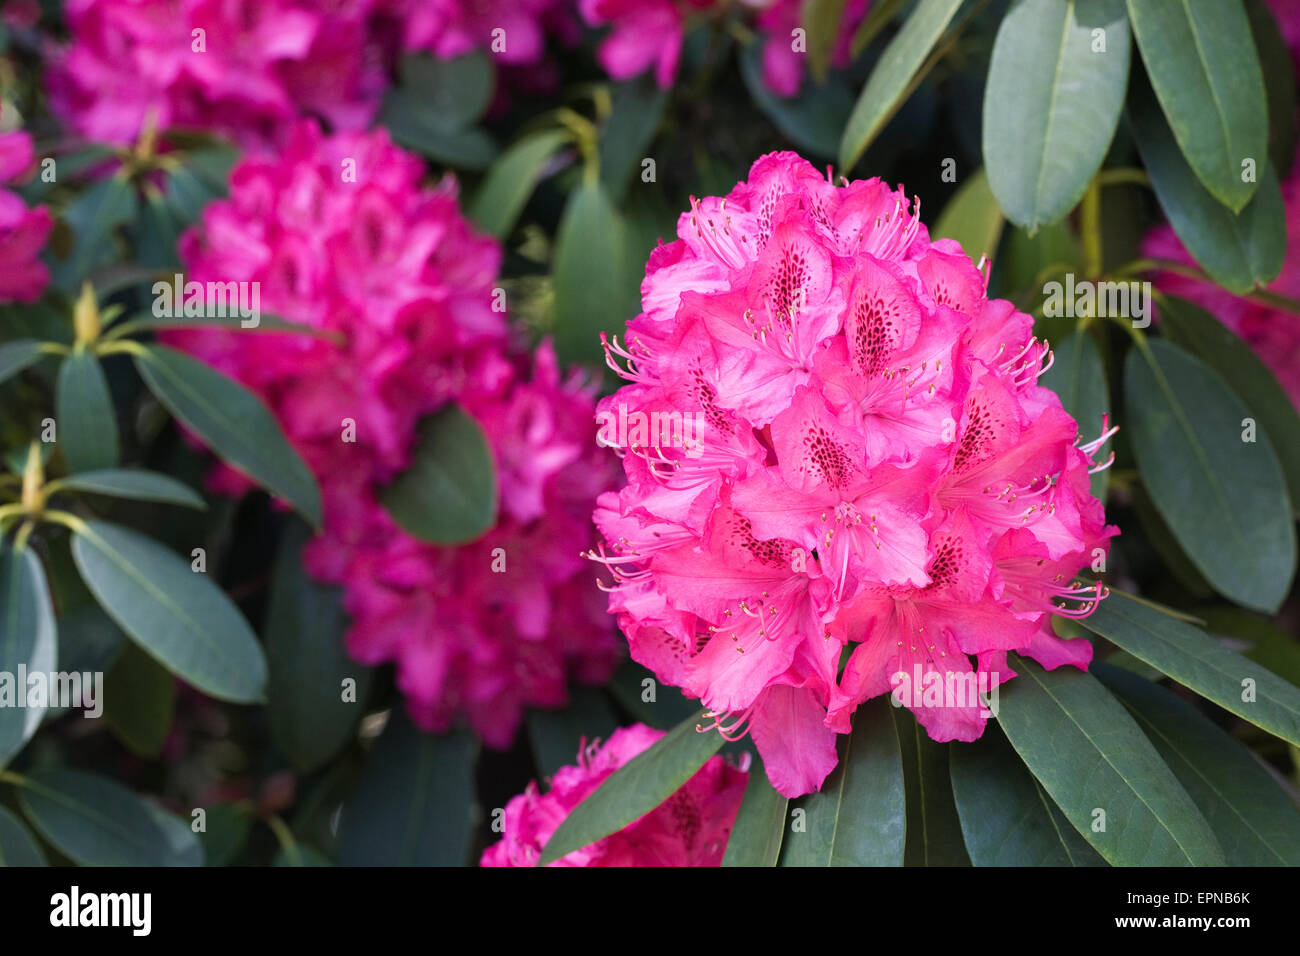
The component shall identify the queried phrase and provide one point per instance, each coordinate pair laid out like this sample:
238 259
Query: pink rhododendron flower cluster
248 68
871 466
23 231
690 828
398 275
243 68
648 34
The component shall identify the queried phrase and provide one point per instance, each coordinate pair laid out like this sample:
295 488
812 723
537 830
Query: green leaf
92 218
638 108
760 825
227 826
859 816
880 15
892 77
1199 662
1052 103
27 637
133 483
1090 756
1239 250
1204 68
412 125
188 193
87 421
1007 818
157 233
588 271
265 323
934 836
636 788
449 494
98 822
822 20
1279 84
455 93
1256 822
414 805
972 217
1263 643
176 614
233 422
558 734
16 356
308 662
1078 377
499 201
814 120
1216 345
183 845
139 702
17 846
1220 496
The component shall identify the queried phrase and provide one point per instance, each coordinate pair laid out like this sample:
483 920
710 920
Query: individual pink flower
242 68
513 30
690 828
846 450
1274 335
784 65
645 34
406 288
23 231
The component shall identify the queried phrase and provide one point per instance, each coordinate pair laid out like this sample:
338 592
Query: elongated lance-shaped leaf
86 424
636 788
133 483
1100 769
233 422
760 825
1256 821
1199 662
1054 96
27 640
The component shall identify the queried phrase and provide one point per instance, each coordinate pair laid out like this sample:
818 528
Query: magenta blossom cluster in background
400 277
23 231
877 469
690 828
248 68
648 35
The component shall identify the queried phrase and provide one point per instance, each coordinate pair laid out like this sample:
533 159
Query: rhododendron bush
672 433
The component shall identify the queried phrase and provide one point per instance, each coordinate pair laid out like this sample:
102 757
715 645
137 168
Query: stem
1124 176
17 779
116 346
284 836
68 520
1090 228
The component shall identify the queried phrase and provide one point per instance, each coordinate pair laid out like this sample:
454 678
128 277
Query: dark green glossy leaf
1100 769
760 825
637 110
1279 82
934 836
233 422
814 119
1256 822
16 356
1052 102
27 638
1204 68
636 788
86 420
859 816
17 846
557 735
133 483
1199 662
139 702
98 822
1211 341
414 805
589 273
449 494
499 201
892 77
178 615
1007 818
1221 496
